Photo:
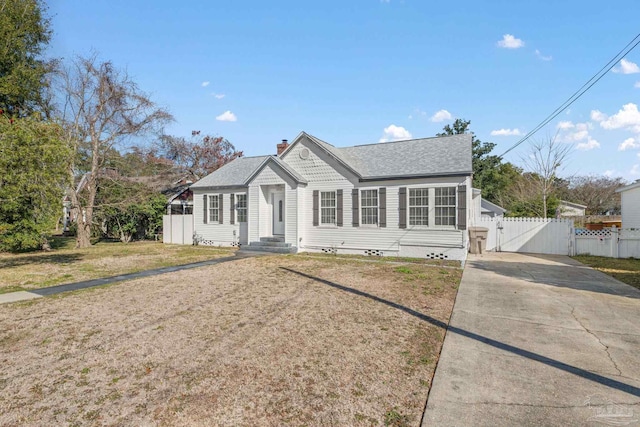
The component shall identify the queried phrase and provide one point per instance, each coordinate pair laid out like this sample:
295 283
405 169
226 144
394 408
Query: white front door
278 213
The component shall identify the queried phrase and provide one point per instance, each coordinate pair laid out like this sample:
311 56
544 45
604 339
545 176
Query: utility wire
583 89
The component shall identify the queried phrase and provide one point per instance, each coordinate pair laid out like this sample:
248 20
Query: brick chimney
282 146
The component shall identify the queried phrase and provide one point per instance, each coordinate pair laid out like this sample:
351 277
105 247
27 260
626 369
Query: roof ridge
405 140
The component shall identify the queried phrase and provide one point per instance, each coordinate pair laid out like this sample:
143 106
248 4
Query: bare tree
598 193
199 156
545 159
103 109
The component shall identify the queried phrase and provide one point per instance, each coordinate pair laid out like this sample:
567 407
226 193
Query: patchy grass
261 341
626 270
67 264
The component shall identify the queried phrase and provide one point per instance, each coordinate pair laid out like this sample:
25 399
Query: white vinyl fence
529 235
177 229
610 242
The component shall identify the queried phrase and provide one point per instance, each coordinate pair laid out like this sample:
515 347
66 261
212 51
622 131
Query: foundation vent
434 255
373 252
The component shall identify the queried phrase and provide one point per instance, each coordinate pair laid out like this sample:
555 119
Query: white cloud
441 116
510 42
218 95
574 132
598 116
626 118
565 125
629 143
506 132
589 145
627 67
609 173
636 85
543 57
395 133
205 84
227 116
635 170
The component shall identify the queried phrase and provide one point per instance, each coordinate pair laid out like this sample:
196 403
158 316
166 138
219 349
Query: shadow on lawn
19 260
618 385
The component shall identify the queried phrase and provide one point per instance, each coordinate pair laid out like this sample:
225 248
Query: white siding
291 216
631 208
224 234
253 202
272 179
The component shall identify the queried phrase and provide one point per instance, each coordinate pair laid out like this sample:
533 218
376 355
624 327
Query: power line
577 94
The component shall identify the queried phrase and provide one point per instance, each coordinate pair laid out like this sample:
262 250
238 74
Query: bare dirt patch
68 265
263 341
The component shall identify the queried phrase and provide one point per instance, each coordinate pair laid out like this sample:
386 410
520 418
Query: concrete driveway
538 340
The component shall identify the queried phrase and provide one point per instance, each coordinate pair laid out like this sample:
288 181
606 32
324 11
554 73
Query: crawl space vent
373 252
434 255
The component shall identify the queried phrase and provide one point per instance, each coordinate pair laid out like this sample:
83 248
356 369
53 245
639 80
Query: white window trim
454 206
361 212
237 209
334 208
432 208
428 206
211 209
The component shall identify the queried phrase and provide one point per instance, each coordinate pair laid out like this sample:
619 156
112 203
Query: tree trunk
83 237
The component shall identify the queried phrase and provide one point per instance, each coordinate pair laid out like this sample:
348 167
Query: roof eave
415 176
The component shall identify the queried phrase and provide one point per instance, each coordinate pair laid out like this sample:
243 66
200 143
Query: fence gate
529 235
177 229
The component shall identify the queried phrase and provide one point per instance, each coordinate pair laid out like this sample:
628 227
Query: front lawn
626 270
260 341
64 264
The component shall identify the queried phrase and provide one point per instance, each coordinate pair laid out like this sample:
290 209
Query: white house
571 209
405 198
630 199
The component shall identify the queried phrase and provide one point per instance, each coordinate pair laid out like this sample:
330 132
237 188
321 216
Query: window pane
328 207
418 206
369 206
446 206
241 207
213 208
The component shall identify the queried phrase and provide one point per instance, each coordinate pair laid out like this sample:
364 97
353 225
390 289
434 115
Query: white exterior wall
631 208
225 234
269 180
567 210
325 174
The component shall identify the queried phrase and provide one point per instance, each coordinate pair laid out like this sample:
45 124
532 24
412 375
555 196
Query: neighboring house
491 210
630 199
179 198
566 208
406 198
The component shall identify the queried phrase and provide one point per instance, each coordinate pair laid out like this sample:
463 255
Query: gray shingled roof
444 155
232 174
240 170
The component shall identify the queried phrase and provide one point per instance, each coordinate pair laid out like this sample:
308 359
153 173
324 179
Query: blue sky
362 71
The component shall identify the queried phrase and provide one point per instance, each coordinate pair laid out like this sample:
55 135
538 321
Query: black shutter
205 217
402 202
355 207
462 207
220 208
339 208
232 209
316 202
382 207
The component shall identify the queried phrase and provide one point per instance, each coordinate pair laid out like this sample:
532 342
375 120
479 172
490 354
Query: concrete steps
270 244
